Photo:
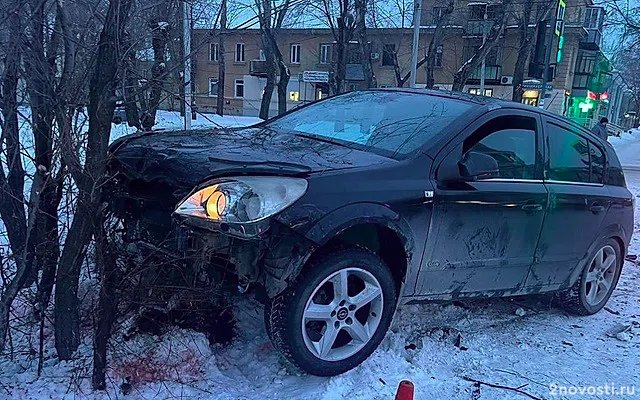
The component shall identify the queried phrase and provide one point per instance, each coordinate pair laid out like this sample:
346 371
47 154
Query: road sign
315 76
535 86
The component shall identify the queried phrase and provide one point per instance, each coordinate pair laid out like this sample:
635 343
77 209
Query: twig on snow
517 390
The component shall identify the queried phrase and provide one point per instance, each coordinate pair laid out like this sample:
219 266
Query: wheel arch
369 225
613 231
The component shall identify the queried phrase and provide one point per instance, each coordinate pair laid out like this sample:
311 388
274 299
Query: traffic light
560 45
559 28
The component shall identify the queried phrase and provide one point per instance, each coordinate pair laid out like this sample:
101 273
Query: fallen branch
513 389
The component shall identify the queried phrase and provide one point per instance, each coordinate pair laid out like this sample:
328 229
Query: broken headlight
240 201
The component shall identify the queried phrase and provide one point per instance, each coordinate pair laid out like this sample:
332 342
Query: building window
214 52
476 11
388 51
213 87
438 13
592 18
353 87
294 96
325 53
295 54
239 52
239 88
438 60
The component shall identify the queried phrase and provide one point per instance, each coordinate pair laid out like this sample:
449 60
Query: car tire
597 280
340 331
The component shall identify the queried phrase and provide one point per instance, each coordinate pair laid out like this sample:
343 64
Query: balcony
492 74
478 27
592 40
258 67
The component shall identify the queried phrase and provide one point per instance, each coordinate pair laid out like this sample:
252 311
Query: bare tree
339 16
271 18
495 33
221 58
364 48
439 31
531 12
12 208
90 178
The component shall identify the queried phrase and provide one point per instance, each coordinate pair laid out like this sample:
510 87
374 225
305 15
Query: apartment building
304 50
580 73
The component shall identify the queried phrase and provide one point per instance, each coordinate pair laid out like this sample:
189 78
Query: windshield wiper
322 139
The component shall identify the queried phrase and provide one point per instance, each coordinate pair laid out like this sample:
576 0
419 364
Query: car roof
490 103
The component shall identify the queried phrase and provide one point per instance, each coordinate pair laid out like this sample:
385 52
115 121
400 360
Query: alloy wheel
342 314
600 276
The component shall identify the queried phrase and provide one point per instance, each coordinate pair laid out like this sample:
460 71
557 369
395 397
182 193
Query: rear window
391 123
573 158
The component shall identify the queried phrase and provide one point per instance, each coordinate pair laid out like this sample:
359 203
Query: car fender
354 214
612 230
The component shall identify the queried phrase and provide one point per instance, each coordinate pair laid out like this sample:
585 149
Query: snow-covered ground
519 342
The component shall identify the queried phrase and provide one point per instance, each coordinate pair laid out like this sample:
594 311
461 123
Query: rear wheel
336 314
597 281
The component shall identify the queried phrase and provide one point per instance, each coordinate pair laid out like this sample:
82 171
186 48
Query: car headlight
242 200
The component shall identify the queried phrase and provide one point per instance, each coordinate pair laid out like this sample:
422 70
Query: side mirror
474 166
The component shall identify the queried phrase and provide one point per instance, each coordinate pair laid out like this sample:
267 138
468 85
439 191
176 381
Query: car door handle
596 208
532 207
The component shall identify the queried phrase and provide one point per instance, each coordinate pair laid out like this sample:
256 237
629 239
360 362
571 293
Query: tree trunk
159 39
12 183
283 83
270 67
436 40
363 45
461 76
107 304
221 58
101 107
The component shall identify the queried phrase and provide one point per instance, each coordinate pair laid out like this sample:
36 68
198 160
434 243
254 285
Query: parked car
348 207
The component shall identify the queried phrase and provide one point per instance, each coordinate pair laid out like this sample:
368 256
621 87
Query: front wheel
336 314
597 280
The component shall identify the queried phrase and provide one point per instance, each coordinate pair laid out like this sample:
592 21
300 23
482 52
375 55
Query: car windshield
390 123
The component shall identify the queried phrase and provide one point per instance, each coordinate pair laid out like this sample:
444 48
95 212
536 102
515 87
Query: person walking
600 129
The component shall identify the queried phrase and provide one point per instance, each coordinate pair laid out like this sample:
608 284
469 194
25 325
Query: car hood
186 158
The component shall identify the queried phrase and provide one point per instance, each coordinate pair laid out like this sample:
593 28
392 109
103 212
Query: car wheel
596 282
336 314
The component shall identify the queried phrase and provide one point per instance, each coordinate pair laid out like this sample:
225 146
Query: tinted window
568 155
597 164
388 122
513 149
511 141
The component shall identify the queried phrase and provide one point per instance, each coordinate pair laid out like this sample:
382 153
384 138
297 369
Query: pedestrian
600 129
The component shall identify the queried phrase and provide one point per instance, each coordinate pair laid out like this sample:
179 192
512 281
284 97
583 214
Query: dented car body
456 196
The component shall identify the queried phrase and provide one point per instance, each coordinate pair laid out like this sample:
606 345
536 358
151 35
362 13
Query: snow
511 342
172 120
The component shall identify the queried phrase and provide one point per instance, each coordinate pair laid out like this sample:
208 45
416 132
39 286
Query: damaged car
341 210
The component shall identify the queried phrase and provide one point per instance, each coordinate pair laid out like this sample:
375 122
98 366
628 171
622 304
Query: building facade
581 85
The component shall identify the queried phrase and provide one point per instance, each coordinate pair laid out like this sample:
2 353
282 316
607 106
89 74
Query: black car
343 209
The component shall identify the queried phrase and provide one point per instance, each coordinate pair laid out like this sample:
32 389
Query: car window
597 163
511 141
568 155
391 123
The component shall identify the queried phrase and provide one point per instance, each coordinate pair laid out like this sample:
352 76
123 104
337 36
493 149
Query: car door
483 233
578 203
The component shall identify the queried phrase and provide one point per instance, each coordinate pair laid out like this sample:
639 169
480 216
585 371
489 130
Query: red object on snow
405 391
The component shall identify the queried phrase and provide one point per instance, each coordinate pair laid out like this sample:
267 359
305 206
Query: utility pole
547 57
484 39
417 11
186 40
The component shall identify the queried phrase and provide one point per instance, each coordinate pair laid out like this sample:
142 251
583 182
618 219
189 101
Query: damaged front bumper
270 255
